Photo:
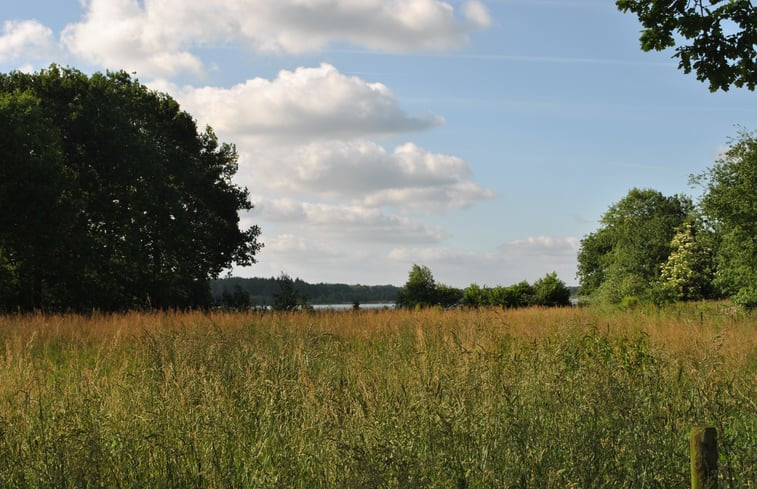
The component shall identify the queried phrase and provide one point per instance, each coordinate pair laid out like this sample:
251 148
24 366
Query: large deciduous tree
421 290
551 291
623 257
687 274
730 207
717 39
111 198
33 210
287 297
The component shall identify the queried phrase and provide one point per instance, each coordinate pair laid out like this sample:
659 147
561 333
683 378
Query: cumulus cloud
477 13
432 199
26 39
300 105
156 37
363 172
122 34
307 129
349 222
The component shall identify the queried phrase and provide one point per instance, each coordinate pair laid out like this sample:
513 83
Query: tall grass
536 398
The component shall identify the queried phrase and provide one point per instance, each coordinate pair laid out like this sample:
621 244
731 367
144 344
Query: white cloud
477 13
300 105
121 34
432 199
25 40
316 261
156 37
347 223
364 173
306 131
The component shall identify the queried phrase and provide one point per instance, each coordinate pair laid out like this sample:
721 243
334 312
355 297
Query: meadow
531 398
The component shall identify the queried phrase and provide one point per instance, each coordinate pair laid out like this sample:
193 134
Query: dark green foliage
34 214
238 300
547 291
261 291
551 291
623 258
111 197
475 296
730 208
517 295
447 296
520 294
287 297
421 290
722 36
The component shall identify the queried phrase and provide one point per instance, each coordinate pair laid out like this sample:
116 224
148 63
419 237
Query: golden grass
684 333
571 397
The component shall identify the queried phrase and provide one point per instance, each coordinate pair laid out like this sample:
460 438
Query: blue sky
483 139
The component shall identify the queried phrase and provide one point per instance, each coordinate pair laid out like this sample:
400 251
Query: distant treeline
262 291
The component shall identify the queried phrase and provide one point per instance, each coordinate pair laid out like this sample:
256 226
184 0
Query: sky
482 139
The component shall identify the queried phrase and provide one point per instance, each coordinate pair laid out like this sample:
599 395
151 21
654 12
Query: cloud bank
156 37
308 133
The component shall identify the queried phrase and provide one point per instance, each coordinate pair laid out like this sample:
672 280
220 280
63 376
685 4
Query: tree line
111 197
656 248
421 290
257 292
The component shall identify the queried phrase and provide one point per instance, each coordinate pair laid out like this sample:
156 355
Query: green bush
629 302
747 298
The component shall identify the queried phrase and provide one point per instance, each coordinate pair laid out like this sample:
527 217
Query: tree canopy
287 297
730 208
717 39
622 258
652 247
111 197
688 272
421 290
548 291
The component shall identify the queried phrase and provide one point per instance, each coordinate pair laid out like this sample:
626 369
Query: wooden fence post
704 458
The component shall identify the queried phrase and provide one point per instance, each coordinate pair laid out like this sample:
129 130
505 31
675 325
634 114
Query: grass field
533 398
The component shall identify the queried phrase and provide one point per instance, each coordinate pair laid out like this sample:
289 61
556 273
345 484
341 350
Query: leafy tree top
419 290
112 199
623 257
730 208
717 39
